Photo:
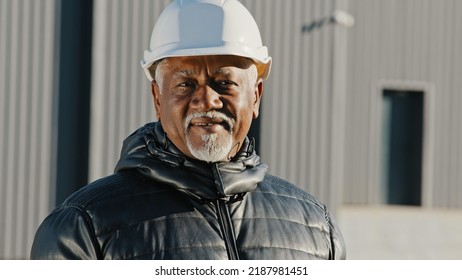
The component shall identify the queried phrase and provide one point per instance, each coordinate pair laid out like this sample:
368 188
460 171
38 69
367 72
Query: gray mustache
227 121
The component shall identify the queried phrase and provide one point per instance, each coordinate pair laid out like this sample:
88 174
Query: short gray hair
153 68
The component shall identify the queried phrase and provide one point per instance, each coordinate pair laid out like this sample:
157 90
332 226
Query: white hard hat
206 27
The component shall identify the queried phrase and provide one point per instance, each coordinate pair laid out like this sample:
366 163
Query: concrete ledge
400 233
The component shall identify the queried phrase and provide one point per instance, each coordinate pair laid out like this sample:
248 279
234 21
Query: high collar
154 155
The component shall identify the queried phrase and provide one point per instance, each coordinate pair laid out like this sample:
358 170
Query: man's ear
156 97
258 94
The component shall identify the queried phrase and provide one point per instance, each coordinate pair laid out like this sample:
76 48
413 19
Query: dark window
402 146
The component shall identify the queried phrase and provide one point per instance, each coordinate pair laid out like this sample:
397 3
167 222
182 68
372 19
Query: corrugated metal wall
412 44
27 36
298 117
121 95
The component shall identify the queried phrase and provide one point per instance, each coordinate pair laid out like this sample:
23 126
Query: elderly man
191 185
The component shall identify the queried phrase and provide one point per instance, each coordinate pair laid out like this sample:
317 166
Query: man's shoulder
109 189
283 188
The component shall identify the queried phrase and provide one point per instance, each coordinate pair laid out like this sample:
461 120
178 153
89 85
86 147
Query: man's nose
206 98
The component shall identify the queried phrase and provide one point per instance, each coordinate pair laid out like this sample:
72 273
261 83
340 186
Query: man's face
206 103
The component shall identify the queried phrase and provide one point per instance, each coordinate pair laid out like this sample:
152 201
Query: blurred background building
362 109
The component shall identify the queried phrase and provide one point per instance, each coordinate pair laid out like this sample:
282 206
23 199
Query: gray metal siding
416 45
121 95
27 36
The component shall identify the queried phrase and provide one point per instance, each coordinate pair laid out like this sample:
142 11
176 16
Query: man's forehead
186 71
217 64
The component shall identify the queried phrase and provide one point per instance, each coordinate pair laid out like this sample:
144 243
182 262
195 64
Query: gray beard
211 150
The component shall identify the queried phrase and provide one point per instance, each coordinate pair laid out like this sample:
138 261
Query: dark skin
227 84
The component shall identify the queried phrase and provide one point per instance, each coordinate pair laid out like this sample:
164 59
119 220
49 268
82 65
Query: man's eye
186 87
186 84
226 84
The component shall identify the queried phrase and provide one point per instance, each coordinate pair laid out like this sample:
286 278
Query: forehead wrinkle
184 73
222 71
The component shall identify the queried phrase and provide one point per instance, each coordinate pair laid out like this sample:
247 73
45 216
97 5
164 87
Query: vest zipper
227 228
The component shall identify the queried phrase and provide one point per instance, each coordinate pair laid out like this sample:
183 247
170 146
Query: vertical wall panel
121 98
73 91
27 36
